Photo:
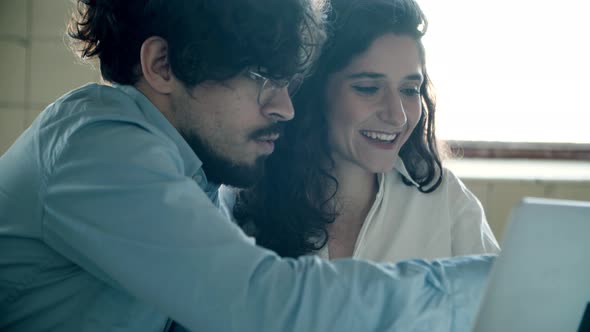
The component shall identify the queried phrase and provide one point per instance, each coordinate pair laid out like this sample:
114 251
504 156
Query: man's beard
222 170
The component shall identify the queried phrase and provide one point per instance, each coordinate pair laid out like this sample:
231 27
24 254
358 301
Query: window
511 71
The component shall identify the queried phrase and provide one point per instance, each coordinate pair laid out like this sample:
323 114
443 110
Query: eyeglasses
268 87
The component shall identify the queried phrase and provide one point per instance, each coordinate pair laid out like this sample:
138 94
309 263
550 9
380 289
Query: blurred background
511 79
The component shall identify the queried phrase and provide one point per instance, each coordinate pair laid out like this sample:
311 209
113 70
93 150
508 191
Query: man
107 221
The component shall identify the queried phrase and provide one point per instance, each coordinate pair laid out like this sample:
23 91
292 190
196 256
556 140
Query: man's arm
118 204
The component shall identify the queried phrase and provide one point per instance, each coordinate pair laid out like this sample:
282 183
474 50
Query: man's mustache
276 128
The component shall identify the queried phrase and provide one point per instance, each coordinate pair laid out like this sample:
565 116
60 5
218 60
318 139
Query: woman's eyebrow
414 77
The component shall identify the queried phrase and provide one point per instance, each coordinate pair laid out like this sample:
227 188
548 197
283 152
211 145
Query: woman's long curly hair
207 39
290 208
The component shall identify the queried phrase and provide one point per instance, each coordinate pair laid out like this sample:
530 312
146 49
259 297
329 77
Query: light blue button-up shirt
106 225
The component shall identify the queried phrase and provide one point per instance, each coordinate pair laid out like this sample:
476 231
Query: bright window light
510 70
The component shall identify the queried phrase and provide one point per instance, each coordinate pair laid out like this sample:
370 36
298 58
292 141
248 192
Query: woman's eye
410 91
366 90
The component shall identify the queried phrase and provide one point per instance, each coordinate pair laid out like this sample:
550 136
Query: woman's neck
357 189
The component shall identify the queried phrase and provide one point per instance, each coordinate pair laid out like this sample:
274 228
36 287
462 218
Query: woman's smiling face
374 104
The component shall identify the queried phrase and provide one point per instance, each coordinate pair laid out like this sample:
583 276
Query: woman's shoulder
399 171
450 184
453 183
227 200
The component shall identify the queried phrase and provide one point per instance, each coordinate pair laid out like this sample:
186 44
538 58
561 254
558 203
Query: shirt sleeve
117 203
471 233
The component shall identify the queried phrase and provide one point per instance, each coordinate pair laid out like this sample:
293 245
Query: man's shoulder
104 117
104 106
94 101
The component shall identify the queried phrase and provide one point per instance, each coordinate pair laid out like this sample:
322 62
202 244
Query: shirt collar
401 168
191 161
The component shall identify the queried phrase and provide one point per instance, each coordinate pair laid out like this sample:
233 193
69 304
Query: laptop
541 280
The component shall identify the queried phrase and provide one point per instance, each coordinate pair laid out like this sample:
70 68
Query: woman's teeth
379 136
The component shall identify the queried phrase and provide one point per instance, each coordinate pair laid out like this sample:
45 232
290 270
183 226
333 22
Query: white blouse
404 223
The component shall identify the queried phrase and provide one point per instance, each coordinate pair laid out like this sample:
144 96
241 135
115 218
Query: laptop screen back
541 280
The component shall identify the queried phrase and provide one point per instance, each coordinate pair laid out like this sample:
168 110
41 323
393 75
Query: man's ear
155 66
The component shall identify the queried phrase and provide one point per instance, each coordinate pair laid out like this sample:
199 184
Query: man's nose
280 107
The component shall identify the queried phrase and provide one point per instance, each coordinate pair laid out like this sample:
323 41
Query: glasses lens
269 87
266 92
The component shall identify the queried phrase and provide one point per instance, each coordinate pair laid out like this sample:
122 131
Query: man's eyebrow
375 75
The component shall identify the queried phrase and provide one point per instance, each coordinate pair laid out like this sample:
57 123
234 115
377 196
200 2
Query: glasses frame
274 86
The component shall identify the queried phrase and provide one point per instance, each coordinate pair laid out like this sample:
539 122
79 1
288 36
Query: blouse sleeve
471 233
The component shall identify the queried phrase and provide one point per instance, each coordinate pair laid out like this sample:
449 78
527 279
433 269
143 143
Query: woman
358 172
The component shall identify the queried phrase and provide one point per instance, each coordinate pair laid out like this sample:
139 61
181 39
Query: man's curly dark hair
207 39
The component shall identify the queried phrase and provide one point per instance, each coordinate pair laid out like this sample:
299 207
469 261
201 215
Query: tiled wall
498 196
501 183
36 65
